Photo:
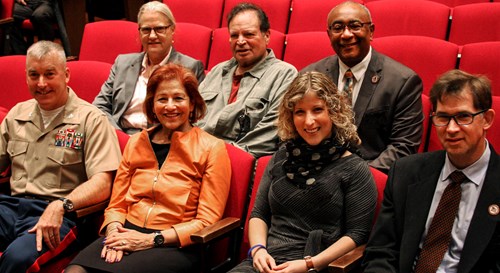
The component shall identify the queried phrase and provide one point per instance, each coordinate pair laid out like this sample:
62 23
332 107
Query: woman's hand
121 240
295 266
262 261
111 255
129 240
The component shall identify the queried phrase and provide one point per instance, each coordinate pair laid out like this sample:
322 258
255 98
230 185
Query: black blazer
395 238
388 110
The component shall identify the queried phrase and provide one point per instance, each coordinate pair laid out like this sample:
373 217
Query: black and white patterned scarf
304 162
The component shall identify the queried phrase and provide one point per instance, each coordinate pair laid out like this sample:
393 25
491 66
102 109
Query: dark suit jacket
116 93
388 110
395 238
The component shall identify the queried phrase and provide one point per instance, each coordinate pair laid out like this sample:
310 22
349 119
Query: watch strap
309 263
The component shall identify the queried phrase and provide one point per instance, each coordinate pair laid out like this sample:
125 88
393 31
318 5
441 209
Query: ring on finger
123 243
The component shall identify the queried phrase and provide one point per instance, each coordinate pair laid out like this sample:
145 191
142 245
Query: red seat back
483 58
315 43
416 51
475 23
193 40
13 78
259 172
6 11
409 17
277 12
493 134
3 113
202 12
454 3
311 15
242 164
380 181
426 124
122 139
104 40
87 78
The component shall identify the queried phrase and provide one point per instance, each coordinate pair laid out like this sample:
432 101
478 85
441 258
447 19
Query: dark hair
264 21
454 82
187 79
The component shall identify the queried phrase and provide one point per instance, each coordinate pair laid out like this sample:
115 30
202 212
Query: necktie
438 237
349 83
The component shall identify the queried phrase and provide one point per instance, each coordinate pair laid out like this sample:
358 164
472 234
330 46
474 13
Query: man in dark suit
386 95
417 184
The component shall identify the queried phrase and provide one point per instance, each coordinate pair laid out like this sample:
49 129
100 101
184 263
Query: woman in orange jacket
173 181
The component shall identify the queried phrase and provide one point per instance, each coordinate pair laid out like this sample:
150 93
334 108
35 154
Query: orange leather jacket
188 192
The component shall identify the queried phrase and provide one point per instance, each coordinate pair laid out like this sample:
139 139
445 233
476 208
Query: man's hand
22 2
48 226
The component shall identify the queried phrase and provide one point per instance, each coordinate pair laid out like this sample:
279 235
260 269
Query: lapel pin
375 79
494 210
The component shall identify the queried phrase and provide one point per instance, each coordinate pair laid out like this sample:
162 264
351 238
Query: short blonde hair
340 113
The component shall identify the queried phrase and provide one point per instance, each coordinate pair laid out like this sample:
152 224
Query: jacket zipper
154 198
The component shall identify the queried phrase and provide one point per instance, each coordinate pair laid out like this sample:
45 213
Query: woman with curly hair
317 197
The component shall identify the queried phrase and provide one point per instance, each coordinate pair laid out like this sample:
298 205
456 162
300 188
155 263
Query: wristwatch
159 240
67 204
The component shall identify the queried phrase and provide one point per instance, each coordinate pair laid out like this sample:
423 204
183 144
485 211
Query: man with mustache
243 93
385 95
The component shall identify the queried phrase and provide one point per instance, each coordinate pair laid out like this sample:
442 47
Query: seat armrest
101 206
348 262
216 230
6 20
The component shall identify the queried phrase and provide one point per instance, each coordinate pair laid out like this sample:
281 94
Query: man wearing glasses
441 209
243 93
385 95
122 95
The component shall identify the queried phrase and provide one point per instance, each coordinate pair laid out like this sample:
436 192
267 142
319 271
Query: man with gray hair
62 152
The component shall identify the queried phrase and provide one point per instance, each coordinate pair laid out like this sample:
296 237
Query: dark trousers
42 17
17 216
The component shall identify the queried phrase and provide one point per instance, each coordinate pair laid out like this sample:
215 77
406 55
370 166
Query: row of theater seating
427 56
395 17
208 42
245 179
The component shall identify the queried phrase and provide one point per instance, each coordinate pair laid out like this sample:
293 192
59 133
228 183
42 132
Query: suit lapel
368 87
419 199
482 225
174 57
132 76
333 69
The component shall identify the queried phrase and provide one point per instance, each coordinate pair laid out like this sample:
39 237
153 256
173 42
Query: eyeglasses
460 119
158 29
353 26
